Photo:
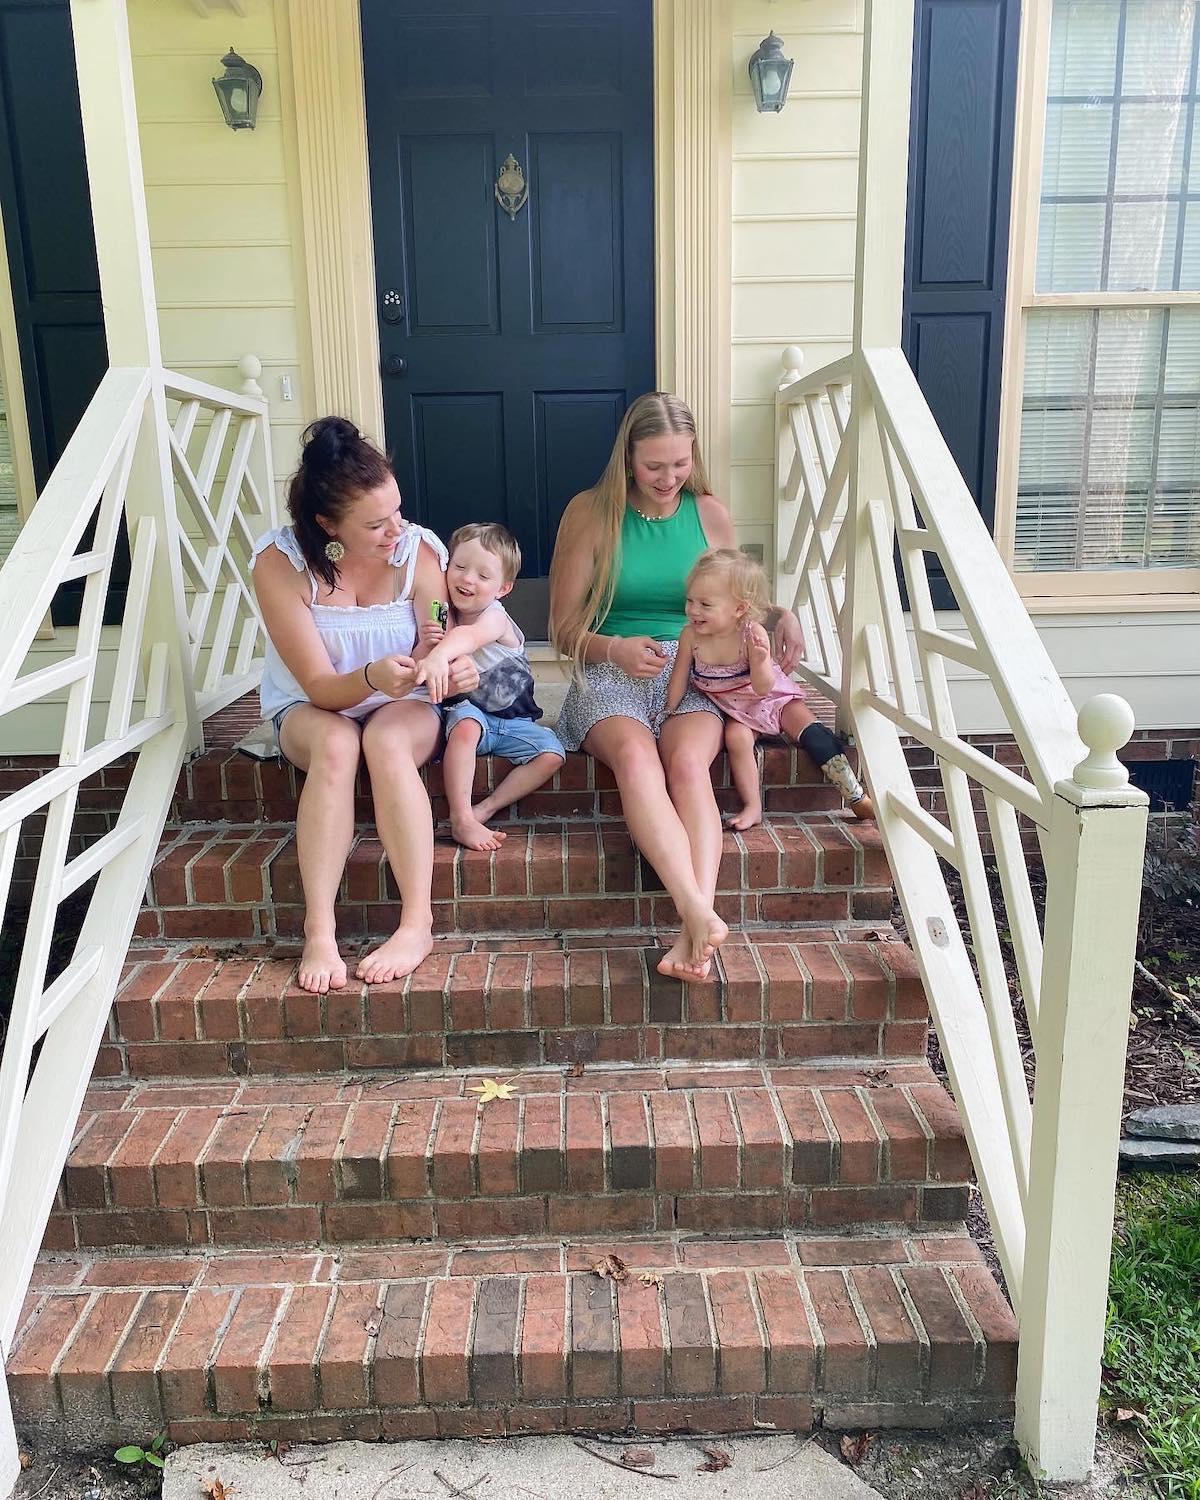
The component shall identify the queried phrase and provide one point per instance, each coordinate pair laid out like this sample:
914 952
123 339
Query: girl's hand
429 632
789 640
758 647
394 675
638 656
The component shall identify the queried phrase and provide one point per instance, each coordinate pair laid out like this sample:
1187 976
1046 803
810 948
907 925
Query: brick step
438 1340
254 791
242 881
335 1161
483 1002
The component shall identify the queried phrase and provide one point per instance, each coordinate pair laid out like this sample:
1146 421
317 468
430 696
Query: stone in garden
1167 1122
1136 1153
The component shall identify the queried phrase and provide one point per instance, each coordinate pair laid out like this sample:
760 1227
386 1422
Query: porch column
325 42
693 88
118 194
116 186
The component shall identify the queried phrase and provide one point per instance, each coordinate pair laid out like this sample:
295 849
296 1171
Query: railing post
1093 876
118 195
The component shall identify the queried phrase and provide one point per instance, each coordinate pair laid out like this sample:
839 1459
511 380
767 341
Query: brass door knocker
511 191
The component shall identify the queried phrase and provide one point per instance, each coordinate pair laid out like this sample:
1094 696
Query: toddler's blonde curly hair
744 577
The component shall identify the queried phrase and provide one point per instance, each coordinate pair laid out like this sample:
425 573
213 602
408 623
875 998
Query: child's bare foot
863 808
321 966
407 948
471 833
676 962
749 817
485 812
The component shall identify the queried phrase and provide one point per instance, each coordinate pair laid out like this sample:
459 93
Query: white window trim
1098 590
14 392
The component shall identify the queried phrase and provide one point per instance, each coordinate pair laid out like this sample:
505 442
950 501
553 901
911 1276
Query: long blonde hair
656 414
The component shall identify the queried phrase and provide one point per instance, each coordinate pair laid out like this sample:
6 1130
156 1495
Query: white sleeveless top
353 634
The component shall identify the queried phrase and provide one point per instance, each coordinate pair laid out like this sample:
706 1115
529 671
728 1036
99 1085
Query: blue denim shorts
517 740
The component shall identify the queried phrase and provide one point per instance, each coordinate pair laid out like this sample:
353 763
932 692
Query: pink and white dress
730 688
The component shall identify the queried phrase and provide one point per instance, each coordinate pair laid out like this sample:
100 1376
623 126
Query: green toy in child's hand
439 612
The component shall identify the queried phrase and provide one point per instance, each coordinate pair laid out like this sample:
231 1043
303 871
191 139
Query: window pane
1110 440
1189 271
1120 107
1083 47
8 482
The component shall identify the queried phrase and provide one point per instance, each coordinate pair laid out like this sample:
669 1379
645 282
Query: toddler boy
500 716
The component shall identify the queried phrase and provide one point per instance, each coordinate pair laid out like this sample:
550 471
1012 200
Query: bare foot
863 808
485 812
749 817
471 833
400 955
676 962
321 966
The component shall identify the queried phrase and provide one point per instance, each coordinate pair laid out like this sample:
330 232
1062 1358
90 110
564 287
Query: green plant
1152 1340
135 1456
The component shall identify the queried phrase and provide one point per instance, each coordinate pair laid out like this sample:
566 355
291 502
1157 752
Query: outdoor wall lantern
239 89
770 74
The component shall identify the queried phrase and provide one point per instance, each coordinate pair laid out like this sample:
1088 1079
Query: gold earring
334 550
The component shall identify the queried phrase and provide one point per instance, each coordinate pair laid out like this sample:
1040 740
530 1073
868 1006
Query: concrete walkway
534 1468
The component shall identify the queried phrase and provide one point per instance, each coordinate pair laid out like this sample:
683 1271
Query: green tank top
654 562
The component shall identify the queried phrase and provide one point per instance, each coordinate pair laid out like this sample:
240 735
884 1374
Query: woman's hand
789 640
637 655
394 675
464 675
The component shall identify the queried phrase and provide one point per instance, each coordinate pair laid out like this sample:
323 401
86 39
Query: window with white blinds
1109 466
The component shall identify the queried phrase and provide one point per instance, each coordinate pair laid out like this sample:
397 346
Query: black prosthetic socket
819 743
829 753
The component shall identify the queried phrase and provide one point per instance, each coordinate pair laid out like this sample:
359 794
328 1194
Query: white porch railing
188 466
865 477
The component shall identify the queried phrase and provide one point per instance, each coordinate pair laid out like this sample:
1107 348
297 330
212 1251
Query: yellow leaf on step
489 1089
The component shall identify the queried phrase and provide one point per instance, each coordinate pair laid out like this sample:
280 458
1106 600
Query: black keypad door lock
392 306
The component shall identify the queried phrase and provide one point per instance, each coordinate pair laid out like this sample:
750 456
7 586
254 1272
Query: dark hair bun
328 441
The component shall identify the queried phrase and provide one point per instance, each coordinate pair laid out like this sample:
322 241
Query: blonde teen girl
617 582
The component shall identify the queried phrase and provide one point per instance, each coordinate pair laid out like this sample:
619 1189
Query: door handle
394 364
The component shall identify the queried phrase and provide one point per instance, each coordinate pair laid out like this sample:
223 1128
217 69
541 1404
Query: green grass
1152 1342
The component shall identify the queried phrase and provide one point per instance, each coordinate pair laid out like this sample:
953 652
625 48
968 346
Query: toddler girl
725 653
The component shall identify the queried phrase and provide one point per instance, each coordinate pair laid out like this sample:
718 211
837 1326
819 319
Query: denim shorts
516 740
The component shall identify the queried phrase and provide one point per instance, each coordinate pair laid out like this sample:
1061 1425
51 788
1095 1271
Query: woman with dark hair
341 590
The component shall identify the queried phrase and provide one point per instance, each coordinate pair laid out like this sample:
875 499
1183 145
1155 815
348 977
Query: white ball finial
249 367
1105 724
793 363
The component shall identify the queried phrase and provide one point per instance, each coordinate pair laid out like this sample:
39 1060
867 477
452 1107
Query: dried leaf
1128 1414
651 1278
638 1458
715 1459
613 1267
854 1447
214 1486
575 1070
374 1322
24 1459
489 1089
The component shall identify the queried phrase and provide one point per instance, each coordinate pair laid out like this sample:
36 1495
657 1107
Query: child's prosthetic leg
826 749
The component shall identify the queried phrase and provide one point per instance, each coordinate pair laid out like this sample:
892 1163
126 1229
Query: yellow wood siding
223 206
795 177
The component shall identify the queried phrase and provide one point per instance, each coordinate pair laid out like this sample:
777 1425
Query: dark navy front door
51 248
960 178
512 335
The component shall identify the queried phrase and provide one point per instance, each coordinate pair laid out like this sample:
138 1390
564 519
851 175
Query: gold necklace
653 519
